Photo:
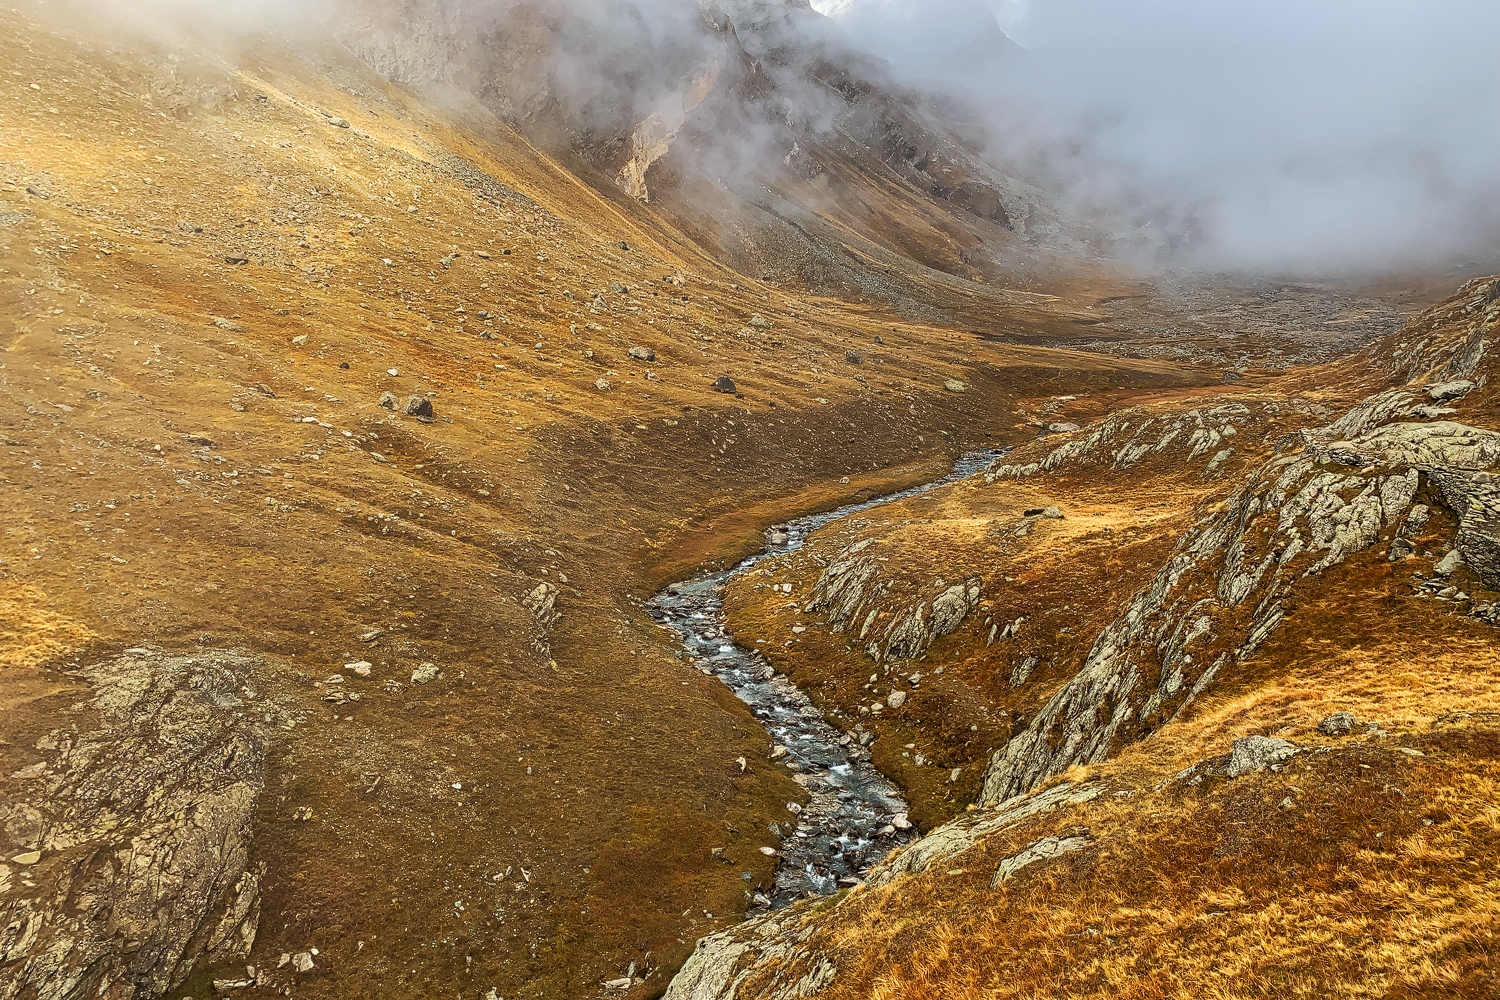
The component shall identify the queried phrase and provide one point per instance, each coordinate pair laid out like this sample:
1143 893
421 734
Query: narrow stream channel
856 814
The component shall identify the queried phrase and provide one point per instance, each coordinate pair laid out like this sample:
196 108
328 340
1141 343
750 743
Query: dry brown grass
30 633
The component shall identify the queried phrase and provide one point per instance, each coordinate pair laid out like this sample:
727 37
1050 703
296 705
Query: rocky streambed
856 815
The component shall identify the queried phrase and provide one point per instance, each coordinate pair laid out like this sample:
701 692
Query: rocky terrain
363 381
1294 685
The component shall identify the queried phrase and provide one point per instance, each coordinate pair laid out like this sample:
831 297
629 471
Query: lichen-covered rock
761 959
852 593
1046 849
144 832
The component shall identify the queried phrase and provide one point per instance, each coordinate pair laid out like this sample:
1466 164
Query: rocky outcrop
734 964
652 138
966 831
1205 437
852 595
1327 494
134 838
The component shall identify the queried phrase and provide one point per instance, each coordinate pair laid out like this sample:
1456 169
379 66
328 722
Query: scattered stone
643 354
1448 564
769 852
853 358
236 259
425 673
954 385
362 668
1053 513
1062 428
1256 753
603 385
1338 724
896 699
227 324
760 322
448 261
302 961
418 406
725 384
338 122
28 858
389 400
372 635
300 340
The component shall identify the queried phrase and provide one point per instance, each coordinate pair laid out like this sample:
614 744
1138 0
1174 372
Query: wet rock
1256 753
133 894
426 673
1338 724
389 400
417 406
643 354
725 384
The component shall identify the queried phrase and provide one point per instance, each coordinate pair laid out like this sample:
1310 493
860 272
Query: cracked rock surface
143 827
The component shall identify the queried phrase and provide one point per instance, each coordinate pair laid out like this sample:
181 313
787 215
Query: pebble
28 858
896 699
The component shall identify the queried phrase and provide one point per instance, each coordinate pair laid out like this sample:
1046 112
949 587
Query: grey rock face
1327 494
1130 437
1256 753
1046 849
1338 724
144 832
1447 391
721 963
967 830
852 595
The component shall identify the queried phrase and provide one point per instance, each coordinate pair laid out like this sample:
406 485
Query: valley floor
344 440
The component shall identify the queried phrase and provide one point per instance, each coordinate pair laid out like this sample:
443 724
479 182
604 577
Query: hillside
353 409
1230 668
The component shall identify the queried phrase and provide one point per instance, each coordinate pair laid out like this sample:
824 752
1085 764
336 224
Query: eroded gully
856 815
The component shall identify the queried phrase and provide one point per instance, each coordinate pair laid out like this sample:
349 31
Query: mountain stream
856 814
